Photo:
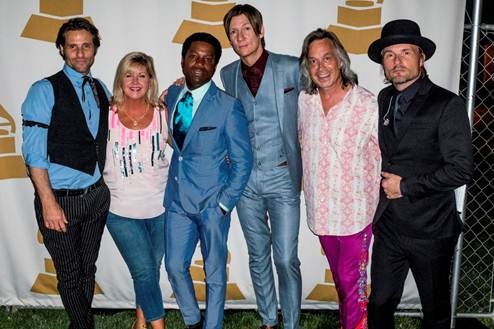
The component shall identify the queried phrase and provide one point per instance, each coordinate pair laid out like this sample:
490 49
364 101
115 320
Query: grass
234 319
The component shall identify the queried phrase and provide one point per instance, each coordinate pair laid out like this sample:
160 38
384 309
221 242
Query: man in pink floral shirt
337 125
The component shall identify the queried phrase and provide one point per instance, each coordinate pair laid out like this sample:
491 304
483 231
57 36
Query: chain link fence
475 297
476 282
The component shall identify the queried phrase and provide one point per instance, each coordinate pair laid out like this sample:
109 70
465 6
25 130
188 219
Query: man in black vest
65 124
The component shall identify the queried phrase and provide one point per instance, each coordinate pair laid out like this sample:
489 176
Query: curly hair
204 37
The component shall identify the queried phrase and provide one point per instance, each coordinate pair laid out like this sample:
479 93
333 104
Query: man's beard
401 79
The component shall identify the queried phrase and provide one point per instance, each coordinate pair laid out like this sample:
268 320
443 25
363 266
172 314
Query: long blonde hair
133 59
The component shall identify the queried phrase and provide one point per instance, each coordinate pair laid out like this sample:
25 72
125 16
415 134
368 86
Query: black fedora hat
400 31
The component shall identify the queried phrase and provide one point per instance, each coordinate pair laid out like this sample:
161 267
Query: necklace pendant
135 123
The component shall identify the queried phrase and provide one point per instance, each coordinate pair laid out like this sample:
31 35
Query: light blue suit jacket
215 162
287 86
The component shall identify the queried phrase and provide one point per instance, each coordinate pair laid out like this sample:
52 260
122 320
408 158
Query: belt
76 192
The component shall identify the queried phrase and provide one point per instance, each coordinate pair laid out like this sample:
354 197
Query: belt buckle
63 193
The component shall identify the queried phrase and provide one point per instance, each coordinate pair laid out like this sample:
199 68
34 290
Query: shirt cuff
36 161
222 206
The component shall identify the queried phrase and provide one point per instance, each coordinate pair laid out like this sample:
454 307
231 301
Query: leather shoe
268 327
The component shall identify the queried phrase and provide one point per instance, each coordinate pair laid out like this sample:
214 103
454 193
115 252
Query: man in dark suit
425 141
210 166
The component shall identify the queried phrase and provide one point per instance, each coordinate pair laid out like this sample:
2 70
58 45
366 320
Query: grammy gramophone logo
198 277
359 23
11 164
206 16
46 282
53 13
326 291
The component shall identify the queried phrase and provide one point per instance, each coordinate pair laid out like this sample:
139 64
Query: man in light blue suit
210 166
267 84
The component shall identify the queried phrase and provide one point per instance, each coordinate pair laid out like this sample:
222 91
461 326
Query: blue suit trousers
269 213
182 233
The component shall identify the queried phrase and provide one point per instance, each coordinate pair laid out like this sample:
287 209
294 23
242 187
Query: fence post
470 108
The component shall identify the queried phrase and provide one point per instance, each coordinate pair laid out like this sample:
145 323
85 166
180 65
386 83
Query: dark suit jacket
433 154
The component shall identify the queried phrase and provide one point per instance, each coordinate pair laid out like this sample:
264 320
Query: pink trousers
347 257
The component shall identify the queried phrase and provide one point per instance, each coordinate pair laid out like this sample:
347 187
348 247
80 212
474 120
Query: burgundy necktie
254 79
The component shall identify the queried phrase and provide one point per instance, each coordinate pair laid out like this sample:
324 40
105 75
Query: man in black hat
425 141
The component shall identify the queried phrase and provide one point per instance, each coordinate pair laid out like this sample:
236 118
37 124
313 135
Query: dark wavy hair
76 24
204 37
347 75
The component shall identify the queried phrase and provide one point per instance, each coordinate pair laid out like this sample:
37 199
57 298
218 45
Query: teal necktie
182 118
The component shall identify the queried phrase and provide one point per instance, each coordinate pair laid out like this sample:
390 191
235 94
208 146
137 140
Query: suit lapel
417 104
277 77
390 140
241 86
171 111
386 131
277 73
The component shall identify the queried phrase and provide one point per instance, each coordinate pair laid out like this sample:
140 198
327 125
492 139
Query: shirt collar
197 93
75 77
408 93
259 65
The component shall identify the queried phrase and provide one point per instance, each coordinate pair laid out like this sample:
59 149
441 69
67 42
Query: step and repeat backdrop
158 27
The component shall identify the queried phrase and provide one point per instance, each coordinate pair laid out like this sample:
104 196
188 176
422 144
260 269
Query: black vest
70 142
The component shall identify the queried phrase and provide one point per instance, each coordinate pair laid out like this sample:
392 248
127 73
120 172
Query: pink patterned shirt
341 162
136 168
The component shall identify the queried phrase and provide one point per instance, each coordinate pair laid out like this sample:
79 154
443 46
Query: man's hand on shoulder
178 82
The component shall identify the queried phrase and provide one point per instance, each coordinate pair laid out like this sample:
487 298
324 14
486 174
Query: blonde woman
136 172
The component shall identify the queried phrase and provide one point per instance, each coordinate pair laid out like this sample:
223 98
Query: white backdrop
149 26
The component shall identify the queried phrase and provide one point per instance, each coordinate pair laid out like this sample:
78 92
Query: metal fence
473 275
476 280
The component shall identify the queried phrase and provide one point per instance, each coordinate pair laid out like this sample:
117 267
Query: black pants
75 252
430 262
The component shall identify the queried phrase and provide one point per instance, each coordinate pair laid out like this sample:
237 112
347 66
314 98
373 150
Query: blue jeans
142 245
269 213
